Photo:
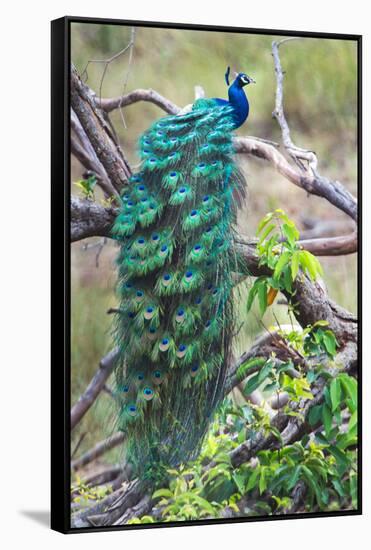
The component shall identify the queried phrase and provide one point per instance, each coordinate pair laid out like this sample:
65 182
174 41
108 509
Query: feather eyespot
155 237
206 198
172 174
148 394
164 344
132 410
188 275
125 389
193 213
180 315
181 351
163 250
194 370
140 376
149 313
182 190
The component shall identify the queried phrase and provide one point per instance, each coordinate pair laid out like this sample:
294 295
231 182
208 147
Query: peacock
175 320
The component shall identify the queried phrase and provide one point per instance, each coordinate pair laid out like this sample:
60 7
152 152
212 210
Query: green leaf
239 480
166 493
290 232
335 394
314 415
262 297
330 342
251 384
310 264
252 479
252 293
295 264
327 419
350 388
266 232
281 263
242 371
262 480
264 221
294 478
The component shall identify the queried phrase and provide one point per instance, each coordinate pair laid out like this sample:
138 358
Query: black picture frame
61 263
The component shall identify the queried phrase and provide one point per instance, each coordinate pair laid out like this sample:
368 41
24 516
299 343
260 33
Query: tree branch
98 132
98 450
86 400
151 96
312 181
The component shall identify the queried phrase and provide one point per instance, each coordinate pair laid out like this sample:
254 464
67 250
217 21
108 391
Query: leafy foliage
320 464
87 186
278 250
83 494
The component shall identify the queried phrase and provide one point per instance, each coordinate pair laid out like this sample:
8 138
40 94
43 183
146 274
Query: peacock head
241 79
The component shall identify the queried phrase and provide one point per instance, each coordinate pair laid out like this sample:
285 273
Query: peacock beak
251 80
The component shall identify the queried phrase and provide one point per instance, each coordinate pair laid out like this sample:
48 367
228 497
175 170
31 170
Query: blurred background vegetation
321 107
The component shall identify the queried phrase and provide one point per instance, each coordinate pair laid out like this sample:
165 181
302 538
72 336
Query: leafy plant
87 186
278 249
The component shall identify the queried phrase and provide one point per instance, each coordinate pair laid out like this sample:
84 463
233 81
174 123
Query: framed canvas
206 363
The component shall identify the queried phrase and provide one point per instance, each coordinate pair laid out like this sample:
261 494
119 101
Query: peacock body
175 320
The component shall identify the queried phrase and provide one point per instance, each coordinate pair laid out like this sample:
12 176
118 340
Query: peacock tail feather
175 320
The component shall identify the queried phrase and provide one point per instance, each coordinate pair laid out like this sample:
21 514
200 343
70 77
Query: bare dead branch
99 133
333 192
151 96
316 183
86 400
90 219
98 450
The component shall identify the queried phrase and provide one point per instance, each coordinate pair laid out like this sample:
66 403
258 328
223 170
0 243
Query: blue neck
239 102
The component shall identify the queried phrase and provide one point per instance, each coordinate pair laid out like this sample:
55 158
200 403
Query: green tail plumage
176 259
